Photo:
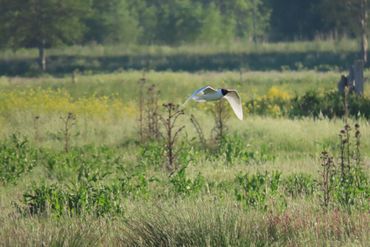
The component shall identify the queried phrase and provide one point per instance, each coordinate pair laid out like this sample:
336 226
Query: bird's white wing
234 99
201 91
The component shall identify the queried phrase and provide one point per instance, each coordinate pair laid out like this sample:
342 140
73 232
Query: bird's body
208 93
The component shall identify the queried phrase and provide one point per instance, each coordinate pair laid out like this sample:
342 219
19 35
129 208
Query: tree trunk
363 22
42 56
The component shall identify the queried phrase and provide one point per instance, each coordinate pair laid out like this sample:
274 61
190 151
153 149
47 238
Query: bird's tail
186 101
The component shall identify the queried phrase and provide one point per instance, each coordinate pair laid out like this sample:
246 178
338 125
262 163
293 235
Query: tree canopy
35 23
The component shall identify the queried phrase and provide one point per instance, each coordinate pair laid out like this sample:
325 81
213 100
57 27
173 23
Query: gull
208 93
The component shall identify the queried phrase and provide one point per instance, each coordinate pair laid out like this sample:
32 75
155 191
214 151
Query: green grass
321 55
344 45
154 212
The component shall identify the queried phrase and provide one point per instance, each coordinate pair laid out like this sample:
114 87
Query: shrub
275 103
329 104
312 104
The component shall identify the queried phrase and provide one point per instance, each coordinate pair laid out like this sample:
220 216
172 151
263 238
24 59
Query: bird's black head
224 91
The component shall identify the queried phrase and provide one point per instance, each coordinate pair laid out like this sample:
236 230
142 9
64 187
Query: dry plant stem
199 130
141 107
357 151
346 106
173 113
36 127
327 172
68 122
348 129
152 113
221 115
342 148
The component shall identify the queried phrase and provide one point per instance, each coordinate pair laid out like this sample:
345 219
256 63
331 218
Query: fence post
358 76
355 79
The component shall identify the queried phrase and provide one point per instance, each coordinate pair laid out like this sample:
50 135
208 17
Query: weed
152 113
299 185
185 186
173 113
349 182
16 158
36 120
327 174
199 131
255 191
68 122
76 200
151 154
220 114
141 83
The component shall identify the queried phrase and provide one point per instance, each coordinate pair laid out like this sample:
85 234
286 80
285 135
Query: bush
312 104
330 104
275 103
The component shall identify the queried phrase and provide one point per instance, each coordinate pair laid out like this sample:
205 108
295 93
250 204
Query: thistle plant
68 122
36 128
357 154
327 173
141 83
220 114
152 115
199 130
172 114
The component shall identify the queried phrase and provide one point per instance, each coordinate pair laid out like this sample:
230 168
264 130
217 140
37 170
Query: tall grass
196 208
96 50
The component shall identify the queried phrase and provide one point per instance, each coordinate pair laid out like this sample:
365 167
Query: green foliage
311 104
299 185
152 154
82 163
42 23
136 185
16 158
234 149
257 190
348 184
184 186
215 27
112 22
354 190
81 199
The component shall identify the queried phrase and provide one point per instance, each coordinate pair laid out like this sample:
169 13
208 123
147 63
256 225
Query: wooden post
363 24
358 76
42 55
355 79
342 83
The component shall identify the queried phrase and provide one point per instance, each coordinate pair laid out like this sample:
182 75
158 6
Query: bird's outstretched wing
201 91
234 99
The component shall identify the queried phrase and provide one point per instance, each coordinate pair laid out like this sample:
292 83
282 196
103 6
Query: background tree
112 21
42 23
292 20
349 17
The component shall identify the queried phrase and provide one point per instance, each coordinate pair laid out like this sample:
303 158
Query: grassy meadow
75 172
322 55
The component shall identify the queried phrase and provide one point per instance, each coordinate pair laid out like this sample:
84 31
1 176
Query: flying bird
208 93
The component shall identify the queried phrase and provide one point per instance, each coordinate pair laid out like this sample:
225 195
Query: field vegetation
97 148
80 167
